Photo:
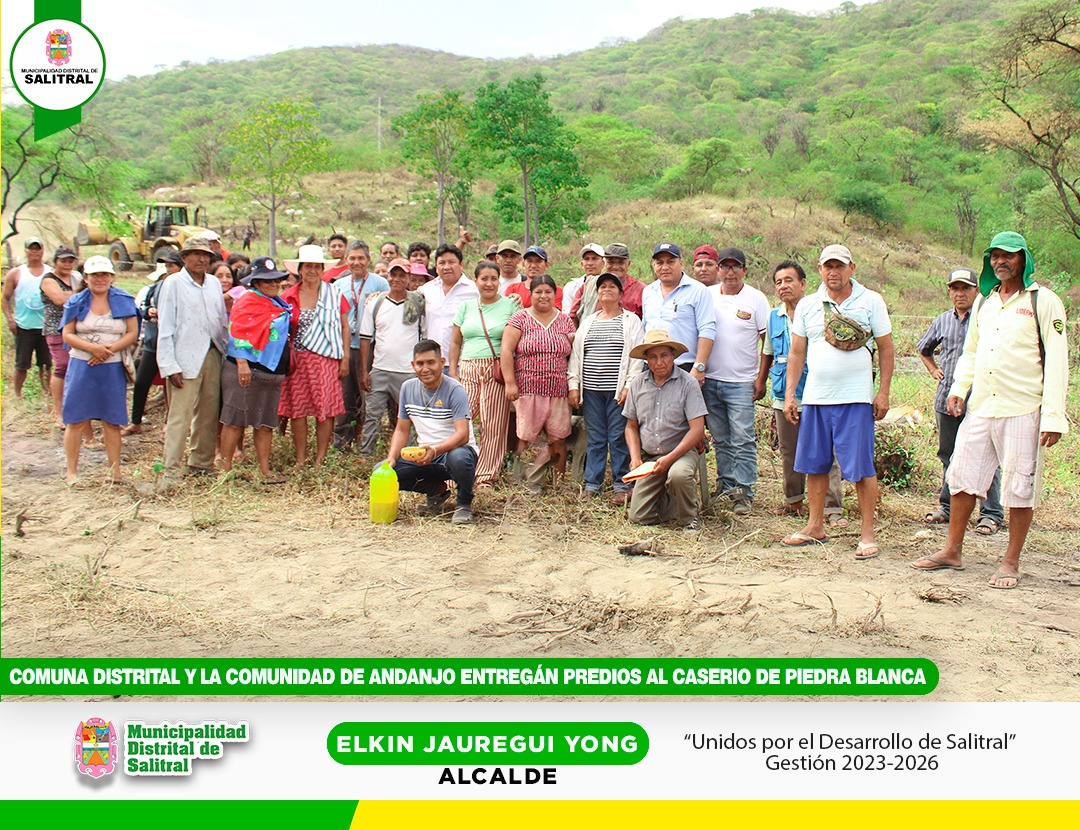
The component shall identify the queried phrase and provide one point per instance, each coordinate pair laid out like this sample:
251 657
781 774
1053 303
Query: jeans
731 424
458 465
606 432
948 425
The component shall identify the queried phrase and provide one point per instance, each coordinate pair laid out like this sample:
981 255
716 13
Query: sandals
938 517
867 550
987 526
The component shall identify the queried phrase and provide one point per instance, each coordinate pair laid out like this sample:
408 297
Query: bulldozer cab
160 217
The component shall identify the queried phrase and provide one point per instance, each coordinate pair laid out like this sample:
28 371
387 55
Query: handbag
496 368
128 361
842 332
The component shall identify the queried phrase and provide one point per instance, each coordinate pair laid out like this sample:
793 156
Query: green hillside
868 110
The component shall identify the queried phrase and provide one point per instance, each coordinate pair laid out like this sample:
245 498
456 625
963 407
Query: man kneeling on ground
438 406
665 424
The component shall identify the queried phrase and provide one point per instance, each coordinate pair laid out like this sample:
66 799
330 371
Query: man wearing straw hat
665 425
1011 379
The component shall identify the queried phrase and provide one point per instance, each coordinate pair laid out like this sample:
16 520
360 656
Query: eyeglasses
734 267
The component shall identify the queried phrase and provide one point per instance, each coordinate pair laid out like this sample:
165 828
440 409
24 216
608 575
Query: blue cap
667 248
538 251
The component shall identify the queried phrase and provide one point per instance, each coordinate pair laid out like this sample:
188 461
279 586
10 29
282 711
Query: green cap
1007 241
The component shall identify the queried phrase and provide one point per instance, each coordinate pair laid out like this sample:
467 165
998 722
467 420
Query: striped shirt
433 412
541 359
603 355
947 331
324 334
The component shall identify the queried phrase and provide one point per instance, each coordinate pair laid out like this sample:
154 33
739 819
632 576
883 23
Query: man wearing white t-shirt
443 295
735 378
390 327
832 333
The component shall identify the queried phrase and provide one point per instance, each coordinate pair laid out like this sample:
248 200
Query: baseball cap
63 252
962 275
732 253
617 250
593 247
536 250
98 265
509 245
667 248
34 240
835 252
492 250
605 277
403 264
707 251
211 236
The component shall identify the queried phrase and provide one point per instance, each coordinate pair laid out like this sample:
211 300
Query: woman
319 327
600 372
535 348
97 325
230 284
147 373
256 361
474 358
56 288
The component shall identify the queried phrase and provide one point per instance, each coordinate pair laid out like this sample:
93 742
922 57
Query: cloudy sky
142 36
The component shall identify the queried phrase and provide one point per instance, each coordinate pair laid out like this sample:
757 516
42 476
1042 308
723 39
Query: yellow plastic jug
383 495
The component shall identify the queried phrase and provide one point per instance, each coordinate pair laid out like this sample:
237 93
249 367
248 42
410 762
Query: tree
608 145
77 162
1033 79
515 124
700 169
200 138
277 143
434 136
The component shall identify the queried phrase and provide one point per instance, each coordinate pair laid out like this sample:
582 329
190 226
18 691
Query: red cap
707 251
403 264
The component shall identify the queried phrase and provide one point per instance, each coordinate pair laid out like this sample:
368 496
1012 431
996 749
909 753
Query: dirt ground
232 569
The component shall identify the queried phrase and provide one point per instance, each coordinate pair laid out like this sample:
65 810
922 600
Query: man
355 287
215 245
492 249
337 246
508 258
789 279
438 406
389 251
391 325
680 306
592 263
947 332
707 265
665 424
192 330
617 262
536 263
830 335
735 377
420 252
442 296
25 315
1017 378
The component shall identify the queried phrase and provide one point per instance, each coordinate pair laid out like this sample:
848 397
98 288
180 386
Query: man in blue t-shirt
438 406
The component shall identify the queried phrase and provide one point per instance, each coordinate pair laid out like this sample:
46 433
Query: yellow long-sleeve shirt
1000 364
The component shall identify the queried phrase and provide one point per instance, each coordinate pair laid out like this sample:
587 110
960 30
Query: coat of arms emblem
58 47
95 747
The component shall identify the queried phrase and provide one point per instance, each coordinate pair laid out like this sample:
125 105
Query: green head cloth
1007 241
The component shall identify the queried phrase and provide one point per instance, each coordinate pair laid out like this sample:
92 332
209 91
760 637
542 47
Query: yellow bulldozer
166 226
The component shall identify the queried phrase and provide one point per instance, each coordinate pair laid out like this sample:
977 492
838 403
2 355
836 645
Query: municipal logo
96 747
58 77
58 47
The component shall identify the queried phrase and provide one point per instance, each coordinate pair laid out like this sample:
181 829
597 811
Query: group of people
476 366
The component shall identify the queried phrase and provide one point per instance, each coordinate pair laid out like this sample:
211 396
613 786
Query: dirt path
224 570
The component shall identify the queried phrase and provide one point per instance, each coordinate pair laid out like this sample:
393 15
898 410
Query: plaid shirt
949 332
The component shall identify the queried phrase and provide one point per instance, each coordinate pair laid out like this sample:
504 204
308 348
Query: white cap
211 236
98 265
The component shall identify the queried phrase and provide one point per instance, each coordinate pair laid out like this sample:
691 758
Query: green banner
550 744
420 677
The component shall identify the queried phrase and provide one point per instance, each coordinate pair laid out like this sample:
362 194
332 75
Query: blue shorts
846 429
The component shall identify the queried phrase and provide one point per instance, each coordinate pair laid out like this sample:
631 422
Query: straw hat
654 338
309 253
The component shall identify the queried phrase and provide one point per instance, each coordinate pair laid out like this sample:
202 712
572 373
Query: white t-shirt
837 376
740 320
394 339
570 292
441 307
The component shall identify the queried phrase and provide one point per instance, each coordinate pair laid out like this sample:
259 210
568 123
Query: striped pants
487 399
